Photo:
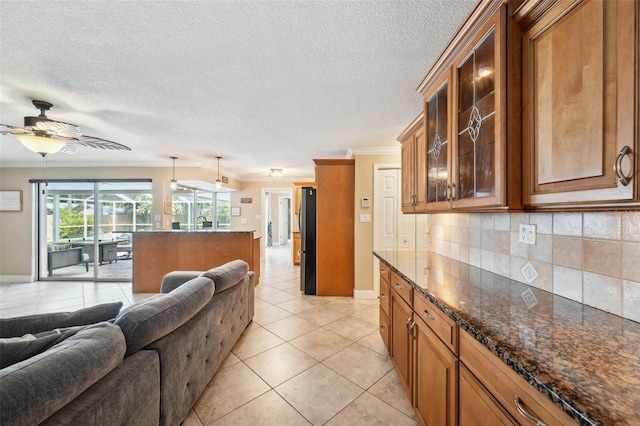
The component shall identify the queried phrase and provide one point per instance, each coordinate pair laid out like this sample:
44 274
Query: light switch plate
365 218
527 234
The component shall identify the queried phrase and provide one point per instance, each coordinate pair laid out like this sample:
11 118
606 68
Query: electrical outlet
527 234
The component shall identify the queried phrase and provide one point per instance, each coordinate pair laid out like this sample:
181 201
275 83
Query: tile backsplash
591 257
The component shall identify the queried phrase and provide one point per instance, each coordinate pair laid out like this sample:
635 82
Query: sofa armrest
175 279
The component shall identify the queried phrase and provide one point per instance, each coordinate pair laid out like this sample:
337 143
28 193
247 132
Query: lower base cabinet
436 378
509 392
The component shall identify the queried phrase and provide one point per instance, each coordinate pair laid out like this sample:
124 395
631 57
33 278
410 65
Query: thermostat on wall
365 202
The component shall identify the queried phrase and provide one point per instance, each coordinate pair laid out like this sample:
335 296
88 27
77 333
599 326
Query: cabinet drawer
403 288
477 406
385 272
443 326
505 385
384 329
385 297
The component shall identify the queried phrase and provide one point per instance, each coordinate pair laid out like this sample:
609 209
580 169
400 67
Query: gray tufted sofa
148 366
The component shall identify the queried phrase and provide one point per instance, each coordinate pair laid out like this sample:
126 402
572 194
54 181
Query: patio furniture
66 257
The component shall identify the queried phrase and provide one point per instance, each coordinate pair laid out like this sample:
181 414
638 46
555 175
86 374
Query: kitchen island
160 252
583 361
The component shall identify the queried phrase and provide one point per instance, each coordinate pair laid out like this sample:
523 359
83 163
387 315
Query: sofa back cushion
34 389
151 319
227 275
16 349
32 324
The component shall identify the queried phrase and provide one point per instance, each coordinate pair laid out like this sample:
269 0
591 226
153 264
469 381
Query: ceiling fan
45 136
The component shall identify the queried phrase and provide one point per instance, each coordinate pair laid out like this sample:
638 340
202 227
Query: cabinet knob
447 192
453 192
428 315
617 166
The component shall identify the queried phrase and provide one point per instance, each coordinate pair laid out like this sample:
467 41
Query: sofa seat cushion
151 319
32 324
34 389
227 275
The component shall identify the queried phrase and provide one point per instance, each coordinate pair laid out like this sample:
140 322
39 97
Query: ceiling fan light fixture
40 144
174 183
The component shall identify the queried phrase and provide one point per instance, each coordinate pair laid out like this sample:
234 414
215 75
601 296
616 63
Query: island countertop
191 231
157 253
586 361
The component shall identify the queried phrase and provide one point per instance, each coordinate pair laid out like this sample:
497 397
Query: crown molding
374 150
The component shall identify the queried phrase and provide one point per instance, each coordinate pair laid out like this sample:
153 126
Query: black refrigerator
307 217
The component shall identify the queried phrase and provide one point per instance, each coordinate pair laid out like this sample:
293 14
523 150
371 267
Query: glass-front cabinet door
438 136
478 119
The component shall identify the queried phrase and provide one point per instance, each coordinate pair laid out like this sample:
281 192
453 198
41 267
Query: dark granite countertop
584 360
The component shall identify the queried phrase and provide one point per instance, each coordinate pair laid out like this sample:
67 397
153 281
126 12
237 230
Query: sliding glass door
85 228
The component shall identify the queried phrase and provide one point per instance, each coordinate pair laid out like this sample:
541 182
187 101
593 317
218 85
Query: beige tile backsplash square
591 257
602 257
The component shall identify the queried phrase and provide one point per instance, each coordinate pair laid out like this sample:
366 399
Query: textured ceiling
264 84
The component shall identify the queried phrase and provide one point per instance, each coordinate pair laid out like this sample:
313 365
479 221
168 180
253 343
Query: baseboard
364 294
16 279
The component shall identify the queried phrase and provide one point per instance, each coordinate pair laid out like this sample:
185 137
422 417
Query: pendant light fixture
218 181
174 182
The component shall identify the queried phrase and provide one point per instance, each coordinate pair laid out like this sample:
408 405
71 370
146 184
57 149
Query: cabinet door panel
408 168
476 123
400 340
438 145
421 170
479 168
436 376
579 82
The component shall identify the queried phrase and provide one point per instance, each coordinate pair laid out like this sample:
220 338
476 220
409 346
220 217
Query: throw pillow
16 349
30 324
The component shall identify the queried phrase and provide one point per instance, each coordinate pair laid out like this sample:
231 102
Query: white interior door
392 229
386 210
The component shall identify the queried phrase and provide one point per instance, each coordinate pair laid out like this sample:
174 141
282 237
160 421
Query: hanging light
218 181
174 182
40 144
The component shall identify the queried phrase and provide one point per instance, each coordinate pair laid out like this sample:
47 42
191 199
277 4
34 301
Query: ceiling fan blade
15 130
70 148
98 143
59 128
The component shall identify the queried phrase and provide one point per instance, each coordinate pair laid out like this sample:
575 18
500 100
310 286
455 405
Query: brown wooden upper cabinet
580 102
414 179
472 121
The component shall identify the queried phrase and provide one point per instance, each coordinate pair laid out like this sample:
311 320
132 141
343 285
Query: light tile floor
303 360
